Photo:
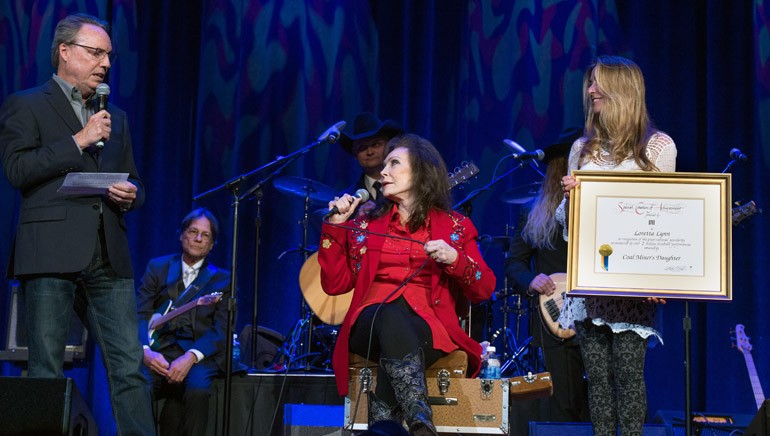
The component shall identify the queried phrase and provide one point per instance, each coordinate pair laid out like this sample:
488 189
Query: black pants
395 331
186 407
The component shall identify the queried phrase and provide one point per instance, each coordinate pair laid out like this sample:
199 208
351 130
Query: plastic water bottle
484 356
493 364
236 349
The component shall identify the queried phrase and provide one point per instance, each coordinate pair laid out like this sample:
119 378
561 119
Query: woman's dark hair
201 212
430 179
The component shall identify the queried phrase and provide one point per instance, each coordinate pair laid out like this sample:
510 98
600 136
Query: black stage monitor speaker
268 342
43 406
760 425
16 332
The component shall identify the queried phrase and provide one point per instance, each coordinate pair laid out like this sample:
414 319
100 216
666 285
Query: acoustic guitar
331 309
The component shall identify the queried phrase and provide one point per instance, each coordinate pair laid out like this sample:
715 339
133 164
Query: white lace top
621 314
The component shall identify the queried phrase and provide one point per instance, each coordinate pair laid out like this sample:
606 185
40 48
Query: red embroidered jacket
349 259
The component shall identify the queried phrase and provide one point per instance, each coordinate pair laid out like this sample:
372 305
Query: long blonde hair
541 227
623 126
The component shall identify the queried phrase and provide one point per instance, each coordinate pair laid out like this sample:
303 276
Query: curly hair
541 227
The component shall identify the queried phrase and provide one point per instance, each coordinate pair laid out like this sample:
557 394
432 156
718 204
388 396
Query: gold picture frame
650 234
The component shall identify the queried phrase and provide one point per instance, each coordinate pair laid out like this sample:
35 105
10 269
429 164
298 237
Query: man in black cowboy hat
367 145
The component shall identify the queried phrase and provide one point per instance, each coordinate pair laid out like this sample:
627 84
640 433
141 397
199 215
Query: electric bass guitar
550 307
743 345
166 312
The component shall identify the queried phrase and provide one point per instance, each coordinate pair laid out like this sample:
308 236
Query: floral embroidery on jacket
358 243
472 271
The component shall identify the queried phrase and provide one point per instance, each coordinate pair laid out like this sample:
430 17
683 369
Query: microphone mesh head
363 194
103 89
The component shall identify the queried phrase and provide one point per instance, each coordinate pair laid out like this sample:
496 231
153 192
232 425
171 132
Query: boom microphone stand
464 204
736 156
233 185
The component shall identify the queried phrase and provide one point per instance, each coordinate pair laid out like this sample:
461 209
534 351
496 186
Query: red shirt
400 259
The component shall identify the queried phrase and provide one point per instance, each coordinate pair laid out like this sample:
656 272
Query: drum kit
311 341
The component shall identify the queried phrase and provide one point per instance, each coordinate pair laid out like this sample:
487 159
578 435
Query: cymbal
521 194
302 187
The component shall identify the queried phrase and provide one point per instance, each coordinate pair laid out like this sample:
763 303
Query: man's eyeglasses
194 233
98 53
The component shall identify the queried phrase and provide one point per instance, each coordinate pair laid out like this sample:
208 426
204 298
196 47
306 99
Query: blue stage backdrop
218 88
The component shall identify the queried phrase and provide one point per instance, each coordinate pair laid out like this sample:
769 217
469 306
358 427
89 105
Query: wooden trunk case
469 406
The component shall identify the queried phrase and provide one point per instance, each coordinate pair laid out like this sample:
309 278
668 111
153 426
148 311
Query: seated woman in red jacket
408 263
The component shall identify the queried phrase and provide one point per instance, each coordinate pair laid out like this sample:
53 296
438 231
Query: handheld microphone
102 92
362 193
738 156
332 134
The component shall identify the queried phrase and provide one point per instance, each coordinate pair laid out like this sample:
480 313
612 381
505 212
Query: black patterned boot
408 379
380 411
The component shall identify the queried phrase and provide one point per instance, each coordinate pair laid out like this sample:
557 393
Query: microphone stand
687 327
465 202
233 185
729 165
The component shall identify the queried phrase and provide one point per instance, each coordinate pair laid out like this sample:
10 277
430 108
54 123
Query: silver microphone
521 153
362 193
332 134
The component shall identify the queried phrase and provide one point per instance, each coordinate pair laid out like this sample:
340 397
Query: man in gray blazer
72 250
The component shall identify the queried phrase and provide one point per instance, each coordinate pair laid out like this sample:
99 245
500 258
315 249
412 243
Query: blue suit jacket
162 281
57 233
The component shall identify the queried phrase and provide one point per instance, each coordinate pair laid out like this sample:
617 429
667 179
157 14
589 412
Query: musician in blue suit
184 354
71 250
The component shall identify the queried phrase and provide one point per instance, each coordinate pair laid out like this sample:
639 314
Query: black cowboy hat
367 125
563 144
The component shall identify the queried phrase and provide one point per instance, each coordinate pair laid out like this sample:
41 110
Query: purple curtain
218 88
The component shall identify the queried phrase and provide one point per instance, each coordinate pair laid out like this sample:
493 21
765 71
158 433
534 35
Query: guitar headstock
741 340
462 173
743 211
209 299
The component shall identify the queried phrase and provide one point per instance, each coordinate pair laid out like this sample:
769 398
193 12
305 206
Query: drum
330 309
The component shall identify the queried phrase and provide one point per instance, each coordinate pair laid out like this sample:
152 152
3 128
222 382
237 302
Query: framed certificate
650 234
